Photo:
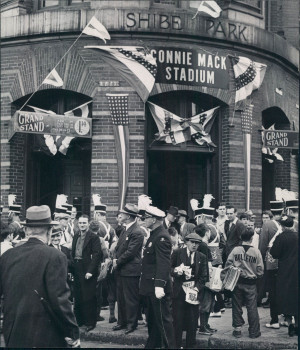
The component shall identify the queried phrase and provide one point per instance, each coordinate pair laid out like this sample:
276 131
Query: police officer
155 282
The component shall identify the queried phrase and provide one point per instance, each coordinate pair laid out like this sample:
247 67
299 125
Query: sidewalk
222 339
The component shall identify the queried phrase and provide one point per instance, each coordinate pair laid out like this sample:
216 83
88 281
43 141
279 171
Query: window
48 3
252 5
165 2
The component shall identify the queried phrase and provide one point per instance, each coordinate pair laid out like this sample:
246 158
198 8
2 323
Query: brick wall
24 68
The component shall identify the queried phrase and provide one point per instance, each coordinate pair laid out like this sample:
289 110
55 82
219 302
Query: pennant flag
135 65
80 111
209 7
118 106
270 154
174 129
248 76
53 78
246 117
97 29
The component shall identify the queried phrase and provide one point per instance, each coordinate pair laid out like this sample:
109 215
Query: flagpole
51 71
247 164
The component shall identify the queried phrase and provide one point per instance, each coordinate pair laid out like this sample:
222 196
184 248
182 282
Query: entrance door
70 175
176 177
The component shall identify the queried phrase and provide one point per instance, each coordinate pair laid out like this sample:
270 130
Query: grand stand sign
281 139
51 124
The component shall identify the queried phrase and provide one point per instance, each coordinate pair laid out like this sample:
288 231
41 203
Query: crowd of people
56 275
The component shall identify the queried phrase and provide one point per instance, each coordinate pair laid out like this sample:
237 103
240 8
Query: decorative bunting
248 76
174 129
118 106
135 65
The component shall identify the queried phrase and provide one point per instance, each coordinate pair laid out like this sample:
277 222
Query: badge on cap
150 244
162 239
126 238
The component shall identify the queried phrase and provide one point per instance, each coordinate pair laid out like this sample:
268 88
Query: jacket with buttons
156 263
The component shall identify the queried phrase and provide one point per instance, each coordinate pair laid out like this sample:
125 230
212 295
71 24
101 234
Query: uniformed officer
155 282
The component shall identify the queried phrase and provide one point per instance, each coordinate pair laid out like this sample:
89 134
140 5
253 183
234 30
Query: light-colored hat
193 237
130 209
182 213
39 216
154 212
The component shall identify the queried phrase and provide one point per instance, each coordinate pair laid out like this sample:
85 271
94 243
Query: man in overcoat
185 227
86 257
285 249
28 273
186 313
127 264
156 283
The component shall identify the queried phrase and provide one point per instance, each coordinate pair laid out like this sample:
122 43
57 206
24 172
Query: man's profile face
231 214
149 222
171 217
181 220
83 224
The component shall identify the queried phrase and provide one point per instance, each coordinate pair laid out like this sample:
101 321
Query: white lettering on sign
277 139
31 122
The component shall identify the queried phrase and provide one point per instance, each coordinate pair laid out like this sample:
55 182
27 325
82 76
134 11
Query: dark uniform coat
233 235
156 272
285 249
85 290
35 266
129 251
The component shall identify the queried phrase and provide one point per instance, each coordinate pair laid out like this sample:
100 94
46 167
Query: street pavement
222 339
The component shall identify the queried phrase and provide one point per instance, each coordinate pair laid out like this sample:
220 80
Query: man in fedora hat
171 217
189 269
185 227
37 311
156 282
127 264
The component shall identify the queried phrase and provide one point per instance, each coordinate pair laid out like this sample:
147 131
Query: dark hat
208 211
130 209
193 237
60 210
100 208
154 212
182 213
15 209
39 216
276 205
292 203
173 211
287 221
56 230
198 212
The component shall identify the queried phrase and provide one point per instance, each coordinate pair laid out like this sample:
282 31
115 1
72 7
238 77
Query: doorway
176 177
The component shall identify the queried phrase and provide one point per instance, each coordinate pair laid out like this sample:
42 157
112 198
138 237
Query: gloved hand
159 292
73 343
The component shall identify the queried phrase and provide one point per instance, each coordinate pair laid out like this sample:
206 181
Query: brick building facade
36 34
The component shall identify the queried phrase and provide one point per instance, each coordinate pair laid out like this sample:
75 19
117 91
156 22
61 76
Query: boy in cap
207 297
189 269
156 283
248 259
